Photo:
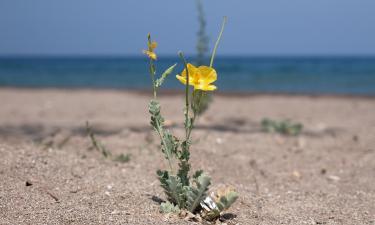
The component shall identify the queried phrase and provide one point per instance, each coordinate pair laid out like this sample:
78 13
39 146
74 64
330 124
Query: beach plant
285 127
185 191
202 38
100 147
202 52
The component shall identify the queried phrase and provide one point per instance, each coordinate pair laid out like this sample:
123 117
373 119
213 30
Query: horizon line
160 56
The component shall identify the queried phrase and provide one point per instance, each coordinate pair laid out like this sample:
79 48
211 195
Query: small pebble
334 178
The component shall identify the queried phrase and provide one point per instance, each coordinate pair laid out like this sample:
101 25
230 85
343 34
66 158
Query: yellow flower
151 47
201 78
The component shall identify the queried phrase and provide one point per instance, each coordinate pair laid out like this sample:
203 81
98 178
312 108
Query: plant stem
186 97
152 73
195 112
169 156
218 41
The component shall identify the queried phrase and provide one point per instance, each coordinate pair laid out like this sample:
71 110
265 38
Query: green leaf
212 215
176 191
197 174
170 144
196 194
223 204
167 207
167 72
163 176
96 143
184 166
226 201
156 119
285 127
173 188
123 158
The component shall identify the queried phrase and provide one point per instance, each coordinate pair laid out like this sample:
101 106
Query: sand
49 175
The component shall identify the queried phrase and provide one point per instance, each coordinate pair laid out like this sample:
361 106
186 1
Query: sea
289 75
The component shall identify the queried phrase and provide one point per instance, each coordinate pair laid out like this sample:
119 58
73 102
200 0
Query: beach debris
355 138
219 141
333 178
52 195
208 204
109 187
28 183
188 216
214 205
296 174
42 188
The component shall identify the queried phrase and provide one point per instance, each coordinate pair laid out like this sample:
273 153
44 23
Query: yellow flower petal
192 70
150 54
205 87
201 77
207 74
181 79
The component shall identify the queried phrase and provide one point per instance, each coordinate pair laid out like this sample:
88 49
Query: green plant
202 51
285 127
184 192
97 145
203 40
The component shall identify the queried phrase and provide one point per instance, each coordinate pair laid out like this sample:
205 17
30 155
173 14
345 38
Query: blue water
307 75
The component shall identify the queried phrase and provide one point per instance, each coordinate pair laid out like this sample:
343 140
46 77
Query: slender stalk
152 66
186 96
218 41
152 73
159 125
169 157
195 113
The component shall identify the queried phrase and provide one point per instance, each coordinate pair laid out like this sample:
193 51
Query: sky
119 27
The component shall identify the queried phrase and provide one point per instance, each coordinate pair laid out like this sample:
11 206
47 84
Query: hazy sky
262 27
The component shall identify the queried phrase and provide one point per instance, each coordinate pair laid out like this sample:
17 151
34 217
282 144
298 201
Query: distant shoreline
237 76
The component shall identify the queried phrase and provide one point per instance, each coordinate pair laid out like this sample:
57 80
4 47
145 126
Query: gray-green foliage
166 73
226 201
123 158
184 166
222 204
185 196
176 191
169 143
196 194
283 127
180 191
167 207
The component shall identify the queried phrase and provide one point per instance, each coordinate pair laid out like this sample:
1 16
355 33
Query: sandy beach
49 175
